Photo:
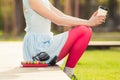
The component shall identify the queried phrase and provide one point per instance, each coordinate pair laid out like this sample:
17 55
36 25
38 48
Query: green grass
10 37
99 65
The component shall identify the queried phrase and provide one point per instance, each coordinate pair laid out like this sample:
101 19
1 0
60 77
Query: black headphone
42 56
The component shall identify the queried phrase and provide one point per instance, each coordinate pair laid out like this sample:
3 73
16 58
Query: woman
38 15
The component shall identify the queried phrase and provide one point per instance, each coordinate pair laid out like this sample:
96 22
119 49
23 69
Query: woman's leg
76 44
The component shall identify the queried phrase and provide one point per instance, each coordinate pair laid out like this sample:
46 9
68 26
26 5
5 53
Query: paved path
105 43
10 68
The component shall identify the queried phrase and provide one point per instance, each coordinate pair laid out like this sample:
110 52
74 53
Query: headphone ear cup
43 56
53 61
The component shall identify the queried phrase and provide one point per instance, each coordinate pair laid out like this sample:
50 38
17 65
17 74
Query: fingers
96 20
95 13
102 18
99 20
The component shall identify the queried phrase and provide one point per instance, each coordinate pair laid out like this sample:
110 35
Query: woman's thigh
73 36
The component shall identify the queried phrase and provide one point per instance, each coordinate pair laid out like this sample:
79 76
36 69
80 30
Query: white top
35 22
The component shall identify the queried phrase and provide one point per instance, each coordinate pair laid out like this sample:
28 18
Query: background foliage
12 20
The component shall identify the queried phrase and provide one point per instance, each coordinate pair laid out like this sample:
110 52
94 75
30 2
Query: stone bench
10 67
104 44
43 73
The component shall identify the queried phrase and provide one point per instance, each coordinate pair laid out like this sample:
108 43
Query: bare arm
58 17
58 12
55 10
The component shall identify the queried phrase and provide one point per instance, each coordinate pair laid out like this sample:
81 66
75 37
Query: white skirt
35 43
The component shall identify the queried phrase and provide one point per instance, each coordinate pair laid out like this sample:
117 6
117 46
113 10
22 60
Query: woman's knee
86 30
81 31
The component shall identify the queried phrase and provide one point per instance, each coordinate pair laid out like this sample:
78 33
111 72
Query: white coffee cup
102 11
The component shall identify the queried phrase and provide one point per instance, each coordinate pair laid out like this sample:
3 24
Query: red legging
75 45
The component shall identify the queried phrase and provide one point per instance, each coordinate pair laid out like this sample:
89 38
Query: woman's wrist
86 23
89 23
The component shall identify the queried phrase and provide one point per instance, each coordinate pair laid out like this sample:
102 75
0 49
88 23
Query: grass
99 65
10 37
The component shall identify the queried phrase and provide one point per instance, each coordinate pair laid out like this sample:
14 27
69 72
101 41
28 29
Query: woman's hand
96 20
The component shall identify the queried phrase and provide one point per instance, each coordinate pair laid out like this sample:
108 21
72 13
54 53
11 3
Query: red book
34 64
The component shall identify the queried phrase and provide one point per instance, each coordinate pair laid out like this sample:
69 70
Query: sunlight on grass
11 37
99 65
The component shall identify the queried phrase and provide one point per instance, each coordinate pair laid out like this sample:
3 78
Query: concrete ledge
104 44
48 73
10 59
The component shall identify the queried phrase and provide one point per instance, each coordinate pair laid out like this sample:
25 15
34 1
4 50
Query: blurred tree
12 13
14 24
85 8
57 4
13 17
114 15
1 17
20 22
67 7
77 8
6 24
67 10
